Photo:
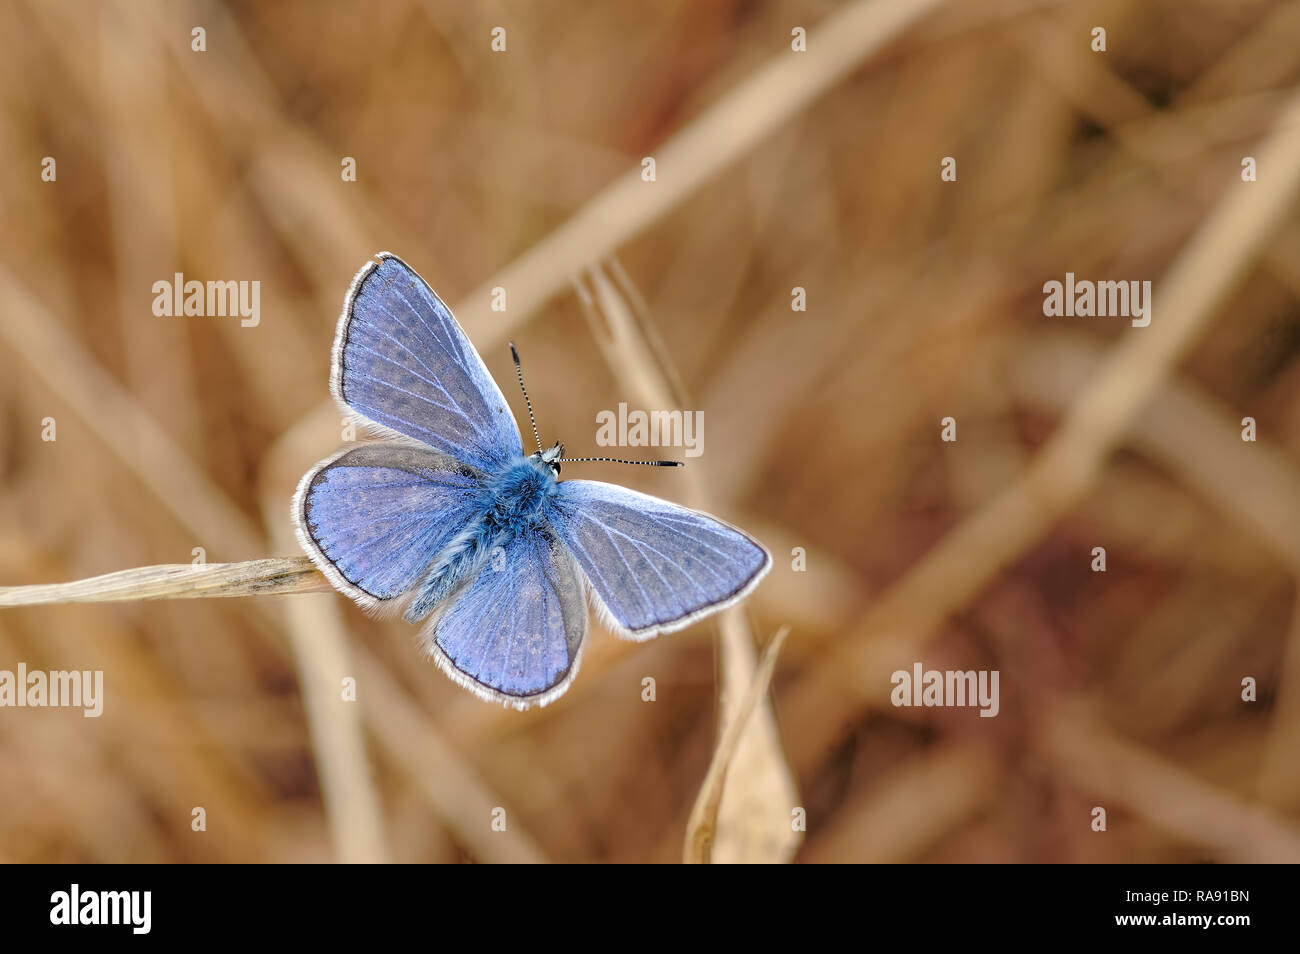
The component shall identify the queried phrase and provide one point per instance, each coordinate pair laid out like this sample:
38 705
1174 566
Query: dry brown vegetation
775 169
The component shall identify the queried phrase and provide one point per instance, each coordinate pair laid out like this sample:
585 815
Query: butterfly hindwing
514 634
402 362
653 566
373 517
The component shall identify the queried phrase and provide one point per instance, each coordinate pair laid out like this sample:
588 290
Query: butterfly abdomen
517 498
462 558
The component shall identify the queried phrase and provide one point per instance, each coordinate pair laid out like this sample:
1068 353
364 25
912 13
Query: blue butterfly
448 521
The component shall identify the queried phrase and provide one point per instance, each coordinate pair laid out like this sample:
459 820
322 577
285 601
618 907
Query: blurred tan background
774 169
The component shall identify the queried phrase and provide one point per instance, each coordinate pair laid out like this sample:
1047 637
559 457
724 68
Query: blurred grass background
1120 689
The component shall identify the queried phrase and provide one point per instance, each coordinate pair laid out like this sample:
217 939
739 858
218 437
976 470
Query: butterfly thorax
519 495
513 500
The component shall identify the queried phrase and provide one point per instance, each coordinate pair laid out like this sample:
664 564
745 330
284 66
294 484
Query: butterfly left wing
653 566
402 362
373 517
514 634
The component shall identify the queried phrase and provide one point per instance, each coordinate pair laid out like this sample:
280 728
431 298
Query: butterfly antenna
615 460
519 373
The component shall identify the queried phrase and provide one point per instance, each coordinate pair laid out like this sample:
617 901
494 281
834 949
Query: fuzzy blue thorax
519 496
513 500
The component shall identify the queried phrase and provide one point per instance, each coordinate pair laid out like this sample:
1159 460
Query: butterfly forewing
402 362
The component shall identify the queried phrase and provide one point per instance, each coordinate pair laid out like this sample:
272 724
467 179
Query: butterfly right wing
653 566
373 517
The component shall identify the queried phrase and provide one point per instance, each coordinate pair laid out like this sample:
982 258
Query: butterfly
448 522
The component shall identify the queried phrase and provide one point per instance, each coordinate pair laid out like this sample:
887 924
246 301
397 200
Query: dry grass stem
702 827
180 581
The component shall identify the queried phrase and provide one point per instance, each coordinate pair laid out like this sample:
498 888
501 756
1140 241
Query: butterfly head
550 457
